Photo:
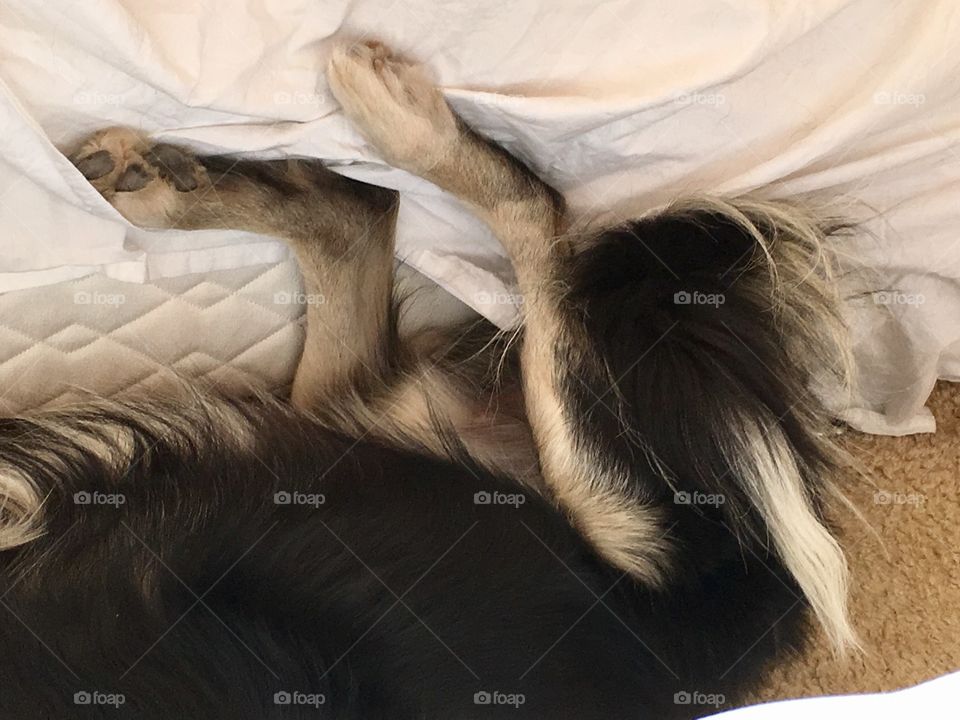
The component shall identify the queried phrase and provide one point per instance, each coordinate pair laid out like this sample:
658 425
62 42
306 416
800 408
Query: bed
624 105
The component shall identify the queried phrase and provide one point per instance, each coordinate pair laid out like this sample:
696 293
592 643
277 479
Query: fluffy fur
619 519
395 594
710 324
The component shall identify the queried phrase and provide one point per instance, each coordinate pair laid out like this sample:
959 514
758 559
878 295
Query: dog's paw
394 104
150 184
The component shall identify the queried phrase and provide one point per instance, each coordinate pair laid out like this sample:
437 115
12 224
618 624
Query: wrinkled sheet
622 105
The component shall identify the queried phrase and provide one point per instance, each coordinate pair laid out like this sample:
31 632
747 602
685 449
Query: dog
615 512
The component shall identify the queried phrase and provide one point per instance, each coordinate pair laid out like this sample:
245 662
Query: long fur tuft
20 509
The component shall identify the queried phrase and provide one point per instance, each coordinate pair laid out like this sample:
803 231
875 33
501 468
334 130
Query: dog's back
240 560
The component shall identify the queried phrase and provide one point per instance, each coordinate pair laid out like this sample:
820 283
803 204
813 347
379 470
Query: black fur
668 374
652 388
397 597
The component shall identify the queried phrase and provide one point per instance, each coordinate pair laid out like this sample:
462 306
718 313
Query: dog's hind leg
340 229
409 122
693 407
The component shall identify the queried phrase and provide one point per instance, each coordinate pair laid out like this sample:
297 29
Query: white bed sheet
933 700
619 104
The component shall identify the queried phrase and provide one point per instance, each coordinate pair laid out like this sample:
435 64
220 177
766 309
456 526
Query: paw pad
146 182
96 165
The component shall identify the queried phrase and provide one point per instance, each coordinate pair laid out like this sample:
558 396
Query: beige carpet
906 584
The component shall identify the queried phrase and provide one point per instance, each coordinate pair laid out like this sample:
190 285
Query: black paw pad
174 166
133 178
96 165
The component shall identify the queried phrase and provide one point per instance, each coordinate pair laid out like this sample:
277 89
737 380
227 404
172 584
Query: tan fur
82 427
354 373
20 509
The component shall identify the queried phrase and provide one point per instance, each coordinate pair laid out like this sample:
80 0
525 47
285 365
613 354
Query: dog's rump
710 325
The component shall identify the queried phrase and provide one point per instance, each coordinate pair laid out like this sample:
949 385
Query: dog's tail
717 324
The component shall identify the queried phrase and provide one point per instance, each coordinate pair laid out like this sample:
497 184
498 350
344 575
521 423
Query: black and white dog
618 516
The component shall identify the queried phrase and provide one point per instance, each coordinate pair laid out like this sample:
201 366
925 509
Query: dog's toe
393 102
146 182
96 165
175 166
135 177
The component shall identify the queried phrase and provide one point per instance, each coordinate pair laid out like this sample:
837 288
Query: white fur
765 465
